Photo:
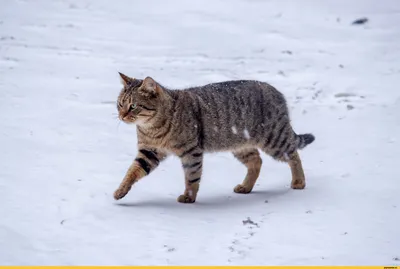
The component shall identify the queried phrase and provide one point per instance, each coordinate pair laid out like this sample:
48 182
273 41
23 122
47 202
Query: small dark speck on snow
360 21
7 38
249 221
308 212
62 222
396 259
344 94
169 249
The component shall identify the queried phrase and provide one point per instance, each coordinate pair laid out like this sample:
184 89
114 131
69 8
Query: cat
240 116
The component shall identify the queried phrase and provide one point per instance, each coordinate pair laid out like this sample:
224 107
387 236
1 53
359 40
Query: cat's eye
133 106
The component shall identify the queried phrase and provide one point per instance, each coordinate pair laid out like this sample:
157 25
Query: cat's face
138 101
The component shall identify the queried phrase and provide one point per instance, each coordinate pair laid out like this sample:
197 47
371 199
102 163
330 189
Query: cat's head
139 100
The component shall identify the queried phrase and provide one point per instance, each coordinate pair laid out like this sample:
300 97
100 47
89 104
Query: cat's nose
123 115
123 118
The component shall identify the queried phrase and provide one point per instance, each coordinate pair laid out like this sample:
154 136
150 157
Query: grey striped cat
238 116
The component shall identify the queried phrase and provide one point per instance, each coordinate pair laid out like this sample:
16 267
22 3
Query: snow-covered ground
63 151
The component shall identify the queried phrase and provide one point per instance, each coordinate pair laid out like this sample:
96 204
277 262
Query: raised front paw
121 192
186 199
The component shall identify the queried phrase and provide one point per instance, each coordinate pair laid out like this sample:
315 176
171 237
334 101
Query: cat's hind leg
252 160
298 179
282 144
293 159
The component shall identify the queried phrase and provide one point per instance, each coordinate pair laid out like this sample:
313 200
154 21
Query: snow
246 134
64 151
234 129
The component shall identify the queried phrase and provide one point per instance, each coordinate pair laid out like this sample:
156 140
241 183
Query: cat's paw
298 184
121 192
186 199
241 189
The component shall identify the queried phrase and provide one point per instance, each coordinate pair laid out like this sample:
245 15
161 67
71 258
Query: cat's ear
126 81
150 86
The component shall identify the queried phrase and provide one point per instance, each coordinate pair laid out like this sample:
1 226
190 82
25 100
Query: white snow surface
64 151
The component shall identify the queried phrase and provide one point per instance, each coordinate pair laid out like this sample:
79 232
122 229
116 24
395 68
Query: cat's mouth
128 119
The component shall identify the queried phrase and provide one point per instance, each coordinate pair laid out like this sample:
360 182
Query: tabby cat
238 116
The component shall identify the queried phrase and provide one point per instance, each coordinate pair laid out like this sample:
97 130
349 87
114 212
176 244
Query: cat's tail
303 140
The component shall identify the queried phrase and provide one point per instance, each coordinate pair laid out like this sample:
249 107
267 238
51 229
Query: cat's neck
163 115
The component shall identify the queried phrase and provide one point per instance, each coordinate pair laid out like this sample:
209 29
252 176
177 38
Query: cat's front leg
145 162
192 164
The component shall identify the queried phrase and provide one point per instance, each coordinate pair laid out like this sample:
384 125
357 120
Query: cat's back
249 95
227 88
224 109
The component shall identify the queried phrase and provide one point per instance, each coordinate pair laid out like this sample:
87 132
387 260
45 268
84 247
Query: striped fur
237 116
